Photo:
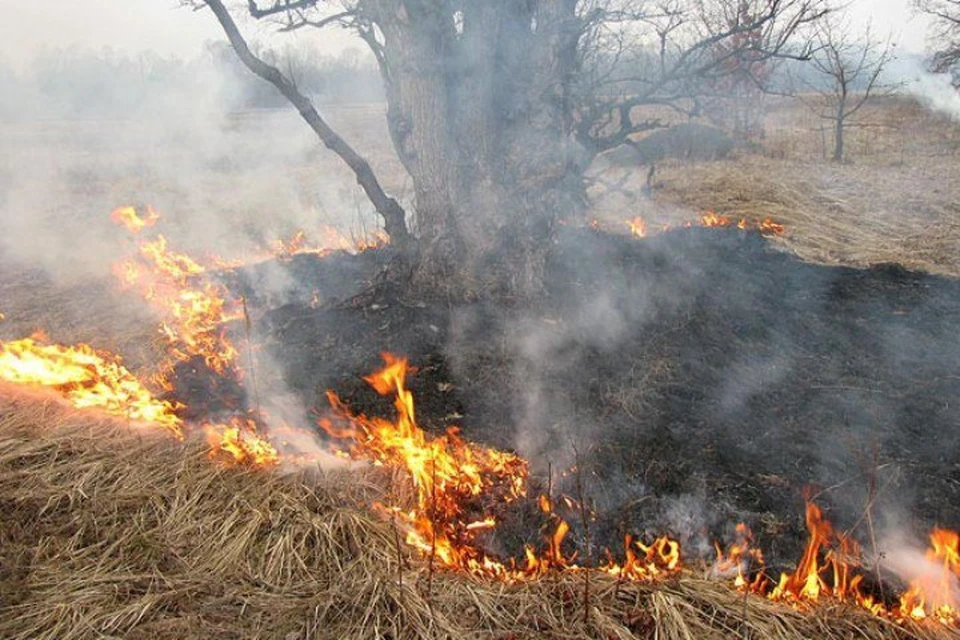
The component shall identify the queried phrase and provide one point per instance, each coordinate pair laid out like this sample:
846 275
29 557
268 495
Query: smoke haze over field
128 28
85 132
203 142
935 91
161 25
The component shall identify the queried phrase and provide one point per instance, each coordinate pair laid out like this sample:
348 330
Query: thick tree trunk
480 117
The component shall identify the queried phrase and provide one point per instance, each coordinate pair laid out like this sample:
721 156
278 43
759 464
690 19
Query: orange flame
711 219
332 240
449 474
86 378
454 479
744 557
638 227
936 596
834 576
766 226
127 216
238 442
655 560
195 311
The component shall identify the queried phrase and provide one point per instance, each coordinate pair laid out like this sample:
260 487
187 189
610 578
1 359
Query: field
696 378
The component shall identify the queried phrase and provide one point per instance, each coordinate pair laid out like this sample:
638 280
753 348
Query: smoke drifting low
85 132
683 372
935 91
228 166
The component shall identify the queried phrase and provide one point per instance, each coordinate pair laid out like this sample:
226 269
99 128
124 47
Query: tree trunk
481 120
839 122
838 140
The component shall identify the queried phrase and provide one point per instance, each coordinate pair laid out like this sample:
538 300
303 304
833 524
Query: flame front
455 480
767 226
86 378
458 485
194 311
332 240
936 596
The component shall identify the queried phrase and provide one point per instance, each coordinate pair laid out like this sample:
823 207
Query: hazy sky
161 25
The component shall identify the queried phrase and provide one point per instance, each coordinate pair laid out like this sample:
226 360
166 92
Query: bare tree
945 31
496 108
735 98
849 69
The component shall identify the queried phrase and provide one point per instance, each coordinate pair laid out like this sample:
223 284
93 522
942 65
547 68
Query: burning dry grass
109 532
858 215
895 201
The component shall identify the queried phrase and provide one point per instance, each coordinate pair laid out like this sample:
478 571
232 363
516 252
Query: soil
701 377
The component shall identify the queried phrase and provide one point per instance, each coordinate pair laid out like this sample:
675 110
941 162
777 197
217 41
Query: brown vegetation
110 533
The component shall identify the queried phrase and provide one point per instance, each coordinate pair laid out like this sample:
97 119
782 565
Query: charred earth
700 376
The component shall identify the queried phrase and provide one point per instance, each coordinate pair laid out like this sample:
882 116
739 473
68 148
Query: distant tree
734 97
850 67
496 107
945 32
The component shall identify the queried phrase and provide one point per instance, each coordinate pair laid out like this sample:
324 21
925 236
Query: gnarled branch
391 211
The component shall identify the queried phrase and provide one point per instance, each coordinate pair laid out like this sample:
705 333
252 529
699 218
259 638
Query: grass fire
572 320
444 497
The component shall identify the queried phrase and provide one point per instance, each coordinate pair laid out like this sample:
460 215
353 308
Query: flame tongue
806 583
452 478
87 378
195 312
332 240
936 596
128 217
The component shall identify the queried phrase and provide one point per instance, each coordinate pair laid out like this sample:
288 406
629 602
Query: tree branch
391 211
317 24
278 7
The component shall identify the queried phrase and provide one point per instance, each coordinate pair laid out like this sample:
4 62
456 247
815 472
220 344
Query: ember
766 226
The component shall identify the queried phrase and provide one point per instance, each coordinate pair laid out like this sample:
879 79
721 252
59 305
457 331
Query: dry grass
896 200
112 532
839 215
107 531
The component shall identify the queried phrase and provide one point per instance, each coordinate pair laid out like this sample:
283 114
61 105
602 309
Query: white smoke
903 557
935 91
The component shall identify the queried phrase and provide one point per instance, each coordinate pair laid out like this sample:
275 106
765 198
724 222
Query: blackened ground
701 376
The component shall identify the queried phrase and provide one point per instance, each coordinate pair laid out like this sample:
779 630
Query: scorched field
731 413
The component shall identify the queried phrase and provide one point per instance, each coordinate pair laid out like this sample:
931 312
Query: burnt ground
702 375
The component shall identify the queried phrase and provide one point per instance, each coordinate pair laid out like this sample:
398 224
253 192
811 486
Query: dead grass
846 214
110 532
896 200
